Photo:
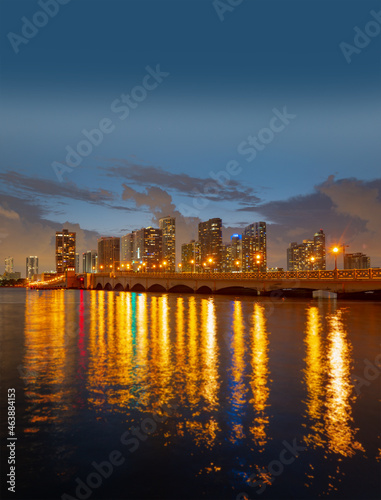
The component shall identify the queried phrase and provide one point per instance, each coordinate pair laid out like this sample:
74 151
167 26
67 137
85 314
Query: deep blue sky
225 78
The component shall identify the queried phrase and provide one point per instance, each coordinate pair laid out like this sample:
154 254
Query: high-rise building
65 250
190 257
250 252
127 248
307 256
31 266
210 239
319 251
90 261
356 261
235 253
168 227
293 256
8 264
255 248
300 256
148 250
108 253
226 258
76 262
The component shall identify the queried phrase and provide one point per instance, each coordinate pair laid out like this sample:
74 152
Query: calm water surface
202 396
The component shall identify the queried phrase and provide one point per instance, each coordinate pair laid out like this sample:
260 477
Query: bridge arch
138 287
181 289
237 290
108 286
99 286
204 289
119 287
156 288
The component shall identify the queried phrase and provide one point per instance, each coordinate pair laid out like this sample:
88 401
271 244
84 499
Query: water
222 386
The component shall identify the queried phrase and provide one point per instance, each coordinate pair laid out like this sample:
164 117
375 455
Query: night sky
222 82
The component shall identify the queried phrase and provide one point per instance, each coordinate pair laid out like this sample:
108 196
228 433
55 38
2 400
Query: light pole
180 267
312 260
210 260
335 251
237 264
194 265
258 259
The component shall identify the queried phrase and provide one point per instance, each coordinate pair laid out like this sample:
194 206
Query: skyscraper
307 256
8 264
210 239
319 251
168 227
90 261
127 248
256 247
31 266
65 250
108 253
236 253
148 249
356 261
249 252
190 257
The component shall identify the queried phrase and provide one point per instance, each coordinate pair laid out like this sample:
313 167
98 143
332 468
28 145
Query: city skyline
211 134
147 249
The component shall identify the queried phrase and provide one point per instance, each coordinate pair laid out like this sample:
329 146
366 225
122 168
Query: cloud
142 175
33 186
356 198
9 214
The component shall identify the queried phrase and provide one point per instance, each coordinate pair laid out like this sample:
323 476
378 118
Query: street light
210 260
335 250
180 266
312 260
258 259
194 265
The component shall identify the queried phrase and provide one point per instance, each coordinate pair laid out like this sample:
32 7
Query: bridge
337 281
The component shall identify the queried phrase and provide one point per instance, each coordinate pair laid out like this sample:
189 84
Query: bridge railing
341 274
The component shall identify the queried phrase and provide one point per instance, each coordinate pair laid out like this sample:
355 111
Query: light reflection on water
259 378
122 353
329 384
